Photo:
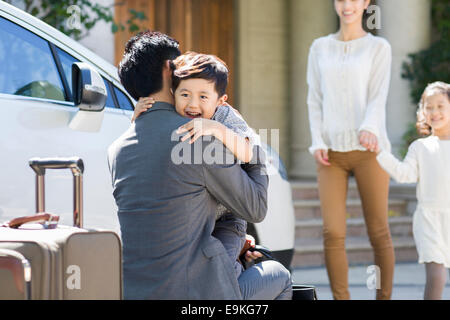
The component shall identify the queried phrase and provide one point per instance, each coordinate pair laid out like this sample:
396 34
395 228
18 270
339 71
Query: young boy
199 85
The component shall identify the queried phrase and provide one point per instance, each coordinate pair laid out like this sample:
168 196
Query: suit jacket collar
162 106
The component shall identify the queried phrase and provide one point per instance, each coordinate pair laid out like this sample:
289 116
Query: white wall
406 24
101 39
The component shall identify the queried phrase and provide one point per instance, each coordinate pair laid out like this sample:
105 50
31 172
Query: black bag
303 292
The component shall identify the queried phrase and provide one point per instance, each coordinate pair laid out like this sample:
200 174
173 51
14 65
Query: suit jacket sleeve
244 192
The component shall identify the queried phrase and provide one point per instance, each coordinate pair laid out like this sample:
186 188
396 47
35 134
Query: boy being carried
199 86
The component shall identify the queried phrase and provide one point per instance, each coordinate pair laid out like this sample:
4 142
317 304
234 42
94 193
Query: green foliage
408 137
432 64
76 17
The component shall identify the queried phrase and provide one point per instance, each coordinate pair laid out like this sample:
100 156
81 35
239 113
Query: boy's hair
193 65
140 70
437 87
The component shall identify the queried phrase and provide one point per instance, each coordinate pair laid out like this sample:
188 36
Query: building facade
266 44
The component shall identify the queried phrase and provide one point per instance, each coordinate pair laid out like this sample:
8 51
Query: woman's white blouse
348 84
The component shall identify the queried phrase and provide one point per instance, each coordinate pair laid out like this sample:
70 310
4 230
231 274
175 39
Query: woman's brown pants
373 187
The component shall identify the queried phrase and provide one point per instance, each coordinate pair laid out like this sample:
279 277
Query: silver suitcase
51 261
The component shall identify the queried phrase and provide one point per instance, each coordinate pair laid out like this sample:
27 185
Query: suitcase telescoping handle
75 164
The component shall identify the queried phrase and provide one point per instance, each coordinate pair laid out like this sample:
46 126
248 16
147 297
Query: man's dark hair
193 65
140 70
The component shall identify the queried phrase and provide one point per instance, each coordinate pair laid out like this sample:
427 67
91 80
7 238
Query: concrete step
310 209
400 227
308 190
309 252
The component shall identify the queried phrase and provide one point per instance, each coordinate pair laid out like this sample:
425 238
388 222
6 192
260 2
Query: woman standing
348 78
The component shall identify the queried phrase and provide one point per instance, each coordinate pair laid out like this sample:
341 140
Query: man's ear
167 70
167 66
222 99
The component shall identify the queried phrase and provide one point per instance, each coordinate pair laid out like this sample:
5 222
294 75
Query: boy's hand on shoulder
143 104
201 127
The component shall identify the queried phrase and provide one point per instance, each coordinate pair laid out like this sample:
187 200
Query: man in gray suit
167 193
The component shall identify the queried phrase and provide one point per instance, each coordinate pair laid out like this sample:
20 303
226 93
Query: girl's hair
438 87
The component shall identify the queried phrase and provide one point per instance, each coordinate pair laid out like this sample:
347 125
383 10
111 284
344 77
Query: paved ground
409 282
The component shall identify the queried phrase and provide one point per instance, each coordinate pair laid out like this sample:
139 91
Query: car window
109 98
122 99
66 62
27 65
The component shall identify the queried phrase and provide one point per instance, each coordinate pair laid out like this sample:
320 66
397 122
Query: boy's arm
242 190
242 137
240 146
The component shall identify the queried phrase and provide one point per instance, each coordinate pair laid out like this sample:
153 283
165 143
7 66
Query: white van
39 118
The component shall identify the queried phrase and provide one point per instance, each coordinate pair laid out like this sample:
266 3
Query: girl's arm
406 171
240 146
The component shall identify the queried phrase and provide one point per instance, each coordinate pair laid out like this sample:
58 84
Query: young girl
199 84
428 163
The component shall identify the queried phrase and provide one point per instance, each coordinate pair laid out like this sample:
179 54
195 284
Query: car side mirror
88 88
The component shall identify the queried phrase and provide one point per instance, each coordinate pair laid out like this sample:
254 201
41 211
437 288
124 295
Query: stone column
262 67
406 24
309 19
